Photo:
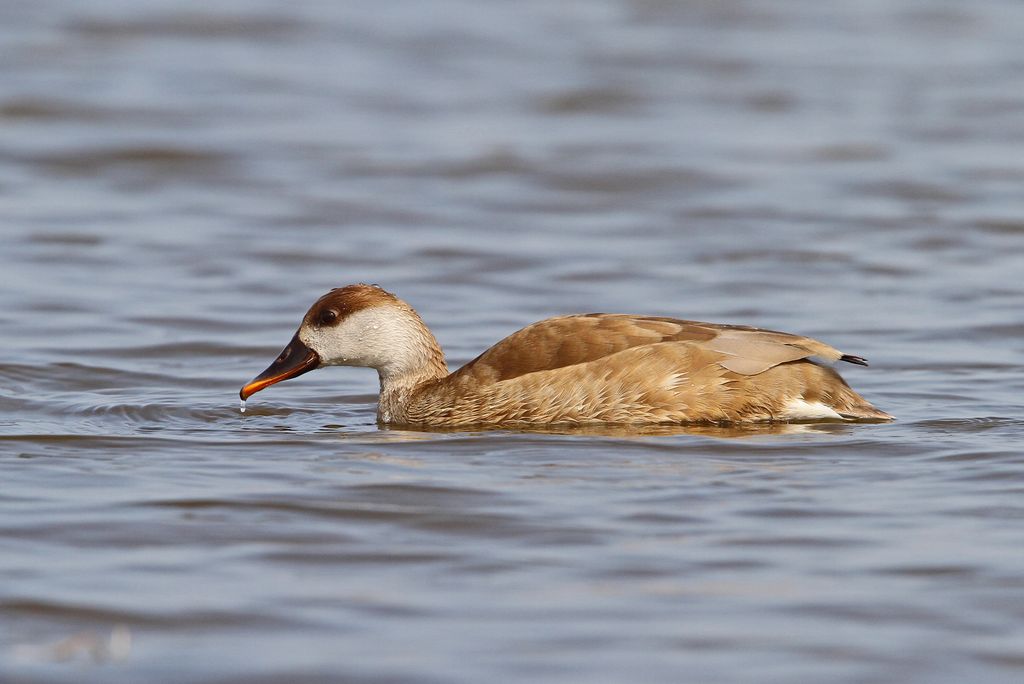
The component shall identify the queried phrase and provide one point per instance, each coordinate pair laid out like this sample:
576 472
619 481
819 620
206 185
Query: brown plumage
573 370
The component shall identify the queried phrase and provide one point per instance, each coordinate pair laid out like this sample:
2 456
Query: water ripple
180 180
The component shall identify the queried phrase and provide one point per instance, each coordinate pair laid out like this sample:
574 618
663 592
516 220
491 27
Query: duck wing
570 340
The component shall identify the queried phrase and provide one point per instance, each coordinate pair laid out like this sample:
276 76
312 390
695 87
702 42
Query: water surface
179 181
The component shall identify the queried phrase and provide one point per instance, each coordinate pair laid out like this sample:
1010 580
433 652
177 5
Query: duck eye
328 317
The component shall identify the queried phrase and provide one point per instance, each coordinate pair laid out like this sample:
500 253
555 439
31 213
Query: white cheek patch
331 347
312 338
360 339
799 408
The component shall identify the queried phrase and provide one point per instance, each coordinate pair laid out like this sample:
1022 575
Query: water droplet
241 406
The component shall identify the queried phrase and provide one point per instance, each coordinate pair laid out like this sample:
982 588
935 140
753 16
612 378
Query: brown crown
342 302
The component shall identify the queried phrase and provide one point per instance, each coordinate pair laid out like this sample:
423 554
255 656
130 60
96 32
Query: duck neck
420 362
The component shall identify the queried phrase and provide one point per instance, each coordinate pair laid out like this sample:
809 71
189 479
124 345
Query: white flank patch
801 409
673 380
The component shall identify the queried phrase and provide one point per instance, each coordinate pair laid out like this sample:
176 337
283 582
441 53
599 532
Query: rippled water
179 180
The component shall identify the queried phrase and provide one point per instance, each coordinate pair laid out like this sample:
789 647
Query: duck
574 370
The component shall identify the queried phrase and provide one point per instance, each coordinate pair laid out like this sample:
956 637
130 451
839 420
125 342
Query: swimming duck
572 370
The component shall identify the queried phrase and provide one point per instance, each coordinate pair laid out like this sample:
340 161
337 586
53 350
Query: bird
574 370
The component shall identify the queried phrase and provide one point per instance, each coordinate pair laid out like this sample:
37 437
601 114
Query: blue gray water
180 180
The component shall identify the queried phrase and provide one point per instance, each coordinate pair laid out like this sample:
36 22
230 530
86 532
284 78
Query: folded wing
570 340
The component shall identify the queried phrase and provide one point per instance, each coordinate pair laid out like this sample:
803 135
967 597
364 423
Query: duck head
357 325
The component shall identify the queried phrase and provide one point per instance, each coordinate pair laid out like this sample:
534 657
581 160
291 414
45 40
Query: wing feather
570 340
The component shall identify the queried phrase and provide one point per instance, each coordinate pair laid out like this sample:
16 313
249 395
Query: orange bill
295 360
